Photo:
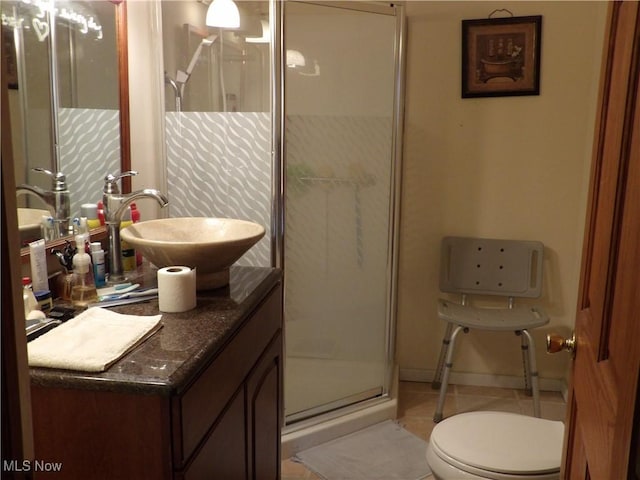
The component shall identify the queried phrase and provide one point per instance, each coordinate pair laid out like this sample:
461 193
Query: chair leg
445 377
437 379
535 389
525 362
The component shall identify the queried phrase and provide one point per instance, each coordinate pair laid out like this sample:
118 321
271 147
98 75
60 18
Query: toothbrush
117 290
123 301
141 293
129 293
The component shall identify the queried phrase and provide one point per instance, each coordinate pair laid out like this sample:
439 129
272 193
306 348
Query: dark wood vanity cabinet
245 441
231 429
223 423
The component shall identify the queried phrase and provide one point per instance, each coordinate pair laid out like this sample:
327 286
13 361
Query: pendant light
223 13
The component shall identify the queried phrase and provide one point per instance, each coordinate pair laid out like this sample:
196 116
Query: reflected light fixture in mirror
295 59
223 13
266 34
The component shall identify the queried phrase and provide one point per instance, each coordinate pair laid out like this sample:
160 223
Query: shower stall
339 160
293 120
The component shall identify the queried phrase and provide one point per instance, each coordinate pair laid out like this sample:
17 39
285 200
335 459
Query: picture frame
501 56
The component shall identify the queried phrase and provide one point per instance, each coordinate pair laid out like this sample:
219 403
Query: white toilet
497 446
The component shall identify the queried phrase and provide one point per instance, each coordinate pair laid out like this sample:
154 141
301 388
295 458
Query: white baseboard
483 380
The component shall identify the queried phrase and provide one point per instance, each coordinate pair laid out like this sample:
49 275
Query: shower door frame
357 401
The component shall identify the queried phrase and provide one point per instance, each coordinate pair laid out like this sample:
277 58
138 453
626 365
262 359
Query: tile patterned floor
417 402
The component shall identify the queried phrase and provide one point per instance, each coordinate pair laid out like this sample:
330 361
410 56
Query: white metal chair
480 266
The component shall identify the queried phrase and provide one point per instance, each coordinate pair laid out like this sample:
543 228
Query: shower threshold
335 406
310 431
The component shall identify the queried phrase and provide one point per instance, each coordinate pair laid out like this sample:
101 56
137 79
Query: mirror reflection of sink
211 245
29 224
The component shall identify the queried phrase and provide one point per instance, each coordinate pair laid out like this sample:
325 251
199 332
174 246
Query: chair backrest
511 268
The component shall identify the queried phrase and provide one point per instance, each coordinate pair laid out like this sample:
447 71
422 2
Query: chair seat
508 319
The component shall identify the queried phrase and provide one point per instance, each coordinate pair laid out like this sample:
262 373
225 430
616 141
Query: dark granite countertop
166 362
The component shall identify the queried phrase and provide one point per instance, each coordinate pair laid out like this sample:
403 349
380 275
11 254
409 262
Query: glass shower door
340 81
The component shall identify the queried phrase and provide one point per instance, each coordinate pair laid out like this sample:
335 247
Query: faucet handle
59 181
111 181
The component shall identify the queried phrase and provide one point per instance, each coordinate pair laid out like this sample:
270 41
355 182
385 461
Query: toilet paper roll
176 289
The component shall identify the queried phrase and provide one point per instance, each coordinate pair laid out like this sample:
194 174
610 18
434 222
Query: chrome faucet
58 199
115 204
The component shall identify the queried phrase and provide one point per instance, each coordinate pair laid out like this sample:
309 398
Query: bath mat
384 451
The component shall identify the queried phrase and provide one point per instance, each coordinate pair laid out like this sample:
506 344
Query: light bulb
223 13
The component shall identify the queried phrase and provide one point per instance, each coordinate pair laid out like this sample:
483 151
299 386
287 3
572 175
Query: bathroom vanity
201 398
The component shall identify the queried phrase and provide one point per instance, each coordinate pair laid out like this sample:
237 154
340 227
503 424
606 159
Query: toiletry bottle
101 213
135 218
128 252
38 261
29 299
83 288
84 227
99 267
48 228
45 302
90 210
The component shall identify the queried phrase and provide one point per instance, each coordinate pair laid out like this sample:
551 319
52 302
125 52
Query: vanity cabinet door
264 414
223 455
245 442
99 435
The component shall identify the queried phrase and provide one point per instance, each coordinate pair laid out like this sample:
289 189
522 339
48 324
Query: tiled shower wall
219 165
337 234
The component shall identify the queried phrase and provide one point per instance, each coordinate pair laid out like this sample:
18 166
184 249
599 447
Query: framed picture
501 56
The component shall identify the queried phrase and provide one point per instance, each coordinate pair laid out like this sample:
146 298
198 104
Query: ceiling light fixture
223 13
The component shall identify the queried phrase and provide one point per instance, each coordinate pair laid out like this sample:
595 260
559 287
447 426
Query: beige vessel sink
211 245
29 224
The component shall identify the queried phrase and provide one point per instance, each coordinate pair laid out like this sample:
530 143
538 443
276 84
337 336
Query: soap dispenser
83 287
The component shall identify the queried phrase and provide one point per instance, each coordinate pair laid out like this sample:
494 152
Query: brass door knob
556 343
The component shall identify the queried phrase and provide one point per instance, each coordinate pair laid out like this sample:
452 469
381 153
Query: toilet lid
501 442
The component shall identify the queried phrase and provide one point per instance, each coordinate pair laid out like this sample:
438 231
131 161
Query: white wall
507 167
146 94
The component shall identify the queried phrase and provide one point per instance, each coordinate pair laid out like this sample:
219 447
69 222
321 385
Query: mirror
68 94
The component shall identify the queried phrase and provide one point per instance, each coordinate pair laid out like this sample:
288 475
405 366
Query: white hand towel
92 341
